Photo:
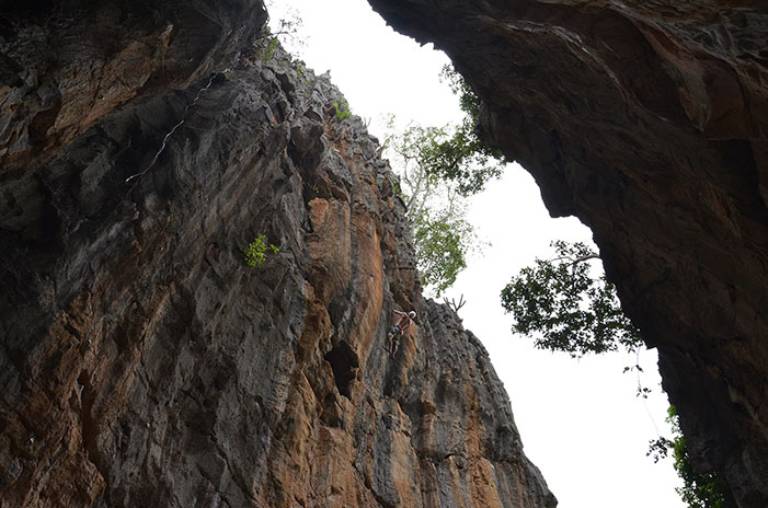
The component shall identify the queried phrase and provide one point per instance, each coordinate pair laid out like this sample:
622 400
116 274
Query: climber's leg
394 332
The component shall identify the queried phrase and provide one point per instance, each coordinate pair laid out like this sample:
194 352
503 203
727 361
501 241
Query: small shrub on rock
257 251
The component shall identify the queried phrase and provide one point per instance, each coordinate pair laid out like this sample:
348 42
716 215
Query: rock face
144 147
648 121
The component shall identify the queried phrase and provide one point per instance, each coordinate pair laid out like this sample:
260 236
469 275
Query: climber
402 325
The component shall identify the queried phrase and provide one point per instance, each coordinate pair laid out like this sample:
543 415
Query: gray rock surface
143 363
648 120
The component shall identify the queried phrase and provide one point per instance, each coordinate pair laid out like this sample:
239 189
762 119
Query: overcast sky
579 419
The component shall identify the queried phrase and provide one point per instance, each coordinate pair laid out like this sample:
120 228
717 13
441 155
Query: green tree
456 153
435 208
439 167
699 490
565 305
441 248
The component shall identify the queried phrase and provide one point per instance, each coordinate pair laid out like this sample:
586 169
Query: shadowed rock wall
648 121
143 148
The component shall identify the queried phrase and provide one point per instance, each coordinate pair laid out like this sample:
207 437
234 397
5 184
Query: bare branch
454 305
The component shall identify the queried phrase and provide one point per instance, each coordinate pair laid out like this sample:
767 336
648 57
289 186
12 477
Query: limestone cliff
649 121
144 146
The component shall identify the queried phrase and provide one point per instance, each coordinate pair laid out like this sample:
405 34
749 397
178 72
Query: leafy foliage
457 154
285 26
435 209
706 490
440 249
271 49
257 251
439 166
301 69
565 308
469 102
341 109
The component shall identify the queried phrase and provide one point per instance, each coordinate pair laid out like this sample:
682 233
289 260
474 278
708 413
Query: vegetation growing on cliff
285 29
457 154
341 110
435 209
567 304
439 167
699 490
257 251
279 32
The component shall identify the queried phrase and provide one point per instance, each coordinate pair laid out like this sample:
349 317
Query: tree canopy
435 209
566 306
456 153
439 167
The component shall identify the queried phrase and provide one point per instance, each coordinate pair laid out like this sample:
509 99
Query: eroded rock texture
143 148
648 121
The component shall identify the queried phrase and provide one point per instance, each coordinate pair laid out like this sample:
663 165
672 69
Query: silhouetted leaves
699 490
564 306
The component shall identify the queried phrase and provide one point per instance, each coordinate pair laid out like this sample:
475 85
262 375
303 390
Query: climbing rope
176 127
643 398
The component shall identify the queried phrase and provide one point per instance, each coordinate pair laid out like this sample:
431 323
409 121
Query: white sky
580 421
